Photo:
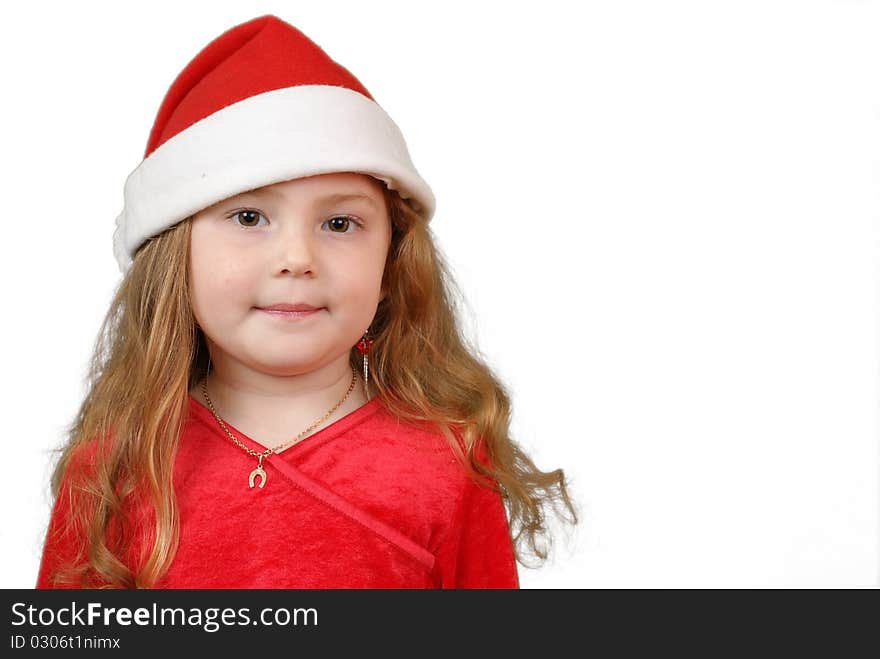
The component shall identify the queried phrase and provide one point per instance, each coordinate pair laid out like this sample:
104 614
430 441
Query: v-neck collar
335 429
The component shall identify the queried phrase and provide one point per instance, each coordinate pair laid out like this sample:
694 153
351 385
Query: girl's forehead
330 188
354 180
319 186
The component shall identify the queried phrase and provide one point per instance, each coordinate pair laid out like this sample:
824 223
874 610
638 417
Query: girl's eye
346 221
249 215
250 219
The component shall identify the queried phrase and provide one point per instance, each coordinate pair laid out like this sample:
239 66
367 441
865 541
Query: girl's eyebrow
330 198
341 196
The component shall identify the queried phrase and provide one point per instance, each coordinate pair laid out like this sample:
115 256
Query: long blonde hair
150 352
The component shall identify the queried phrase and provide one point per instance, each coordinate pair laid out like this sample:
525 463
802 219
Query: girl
280 396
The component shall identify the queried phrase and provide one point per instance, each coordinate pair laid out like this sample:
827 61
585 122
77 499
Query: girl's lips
289 315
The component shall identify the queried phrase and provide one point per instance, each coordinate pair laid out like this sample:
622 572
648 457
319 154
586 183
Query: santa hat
260 104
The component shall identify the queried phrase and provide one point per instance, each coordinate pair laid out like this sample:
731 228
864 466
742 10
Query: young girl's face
292 242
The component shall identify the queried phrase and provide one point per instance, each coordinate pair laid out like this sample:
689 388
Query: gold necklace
259 470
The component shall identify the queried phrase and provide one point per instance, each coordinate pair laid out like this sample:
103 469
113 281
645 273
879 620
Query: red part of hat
257 56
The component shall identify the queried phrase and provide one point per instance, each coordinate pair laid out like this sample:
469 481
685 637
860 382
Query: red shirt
366 502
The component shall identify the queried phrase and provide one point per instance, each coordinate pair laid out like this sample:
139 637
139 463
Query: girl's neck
273 420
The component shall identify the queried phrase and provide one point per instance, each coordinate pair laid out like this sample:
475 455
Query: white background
663 216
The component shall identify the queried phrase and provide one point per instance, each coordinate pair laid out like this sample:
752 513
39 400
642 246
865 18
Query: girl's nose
295 249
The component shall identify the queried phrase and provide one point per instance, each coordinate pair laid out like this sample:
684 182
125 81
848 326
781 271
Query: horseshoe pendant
258 472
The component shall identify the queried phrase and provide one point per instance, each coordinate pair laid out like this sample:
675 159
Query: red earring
364 344
363 347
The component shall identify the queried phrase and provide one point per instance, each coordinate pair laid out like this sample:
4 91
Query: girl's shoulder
419 448
413 436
